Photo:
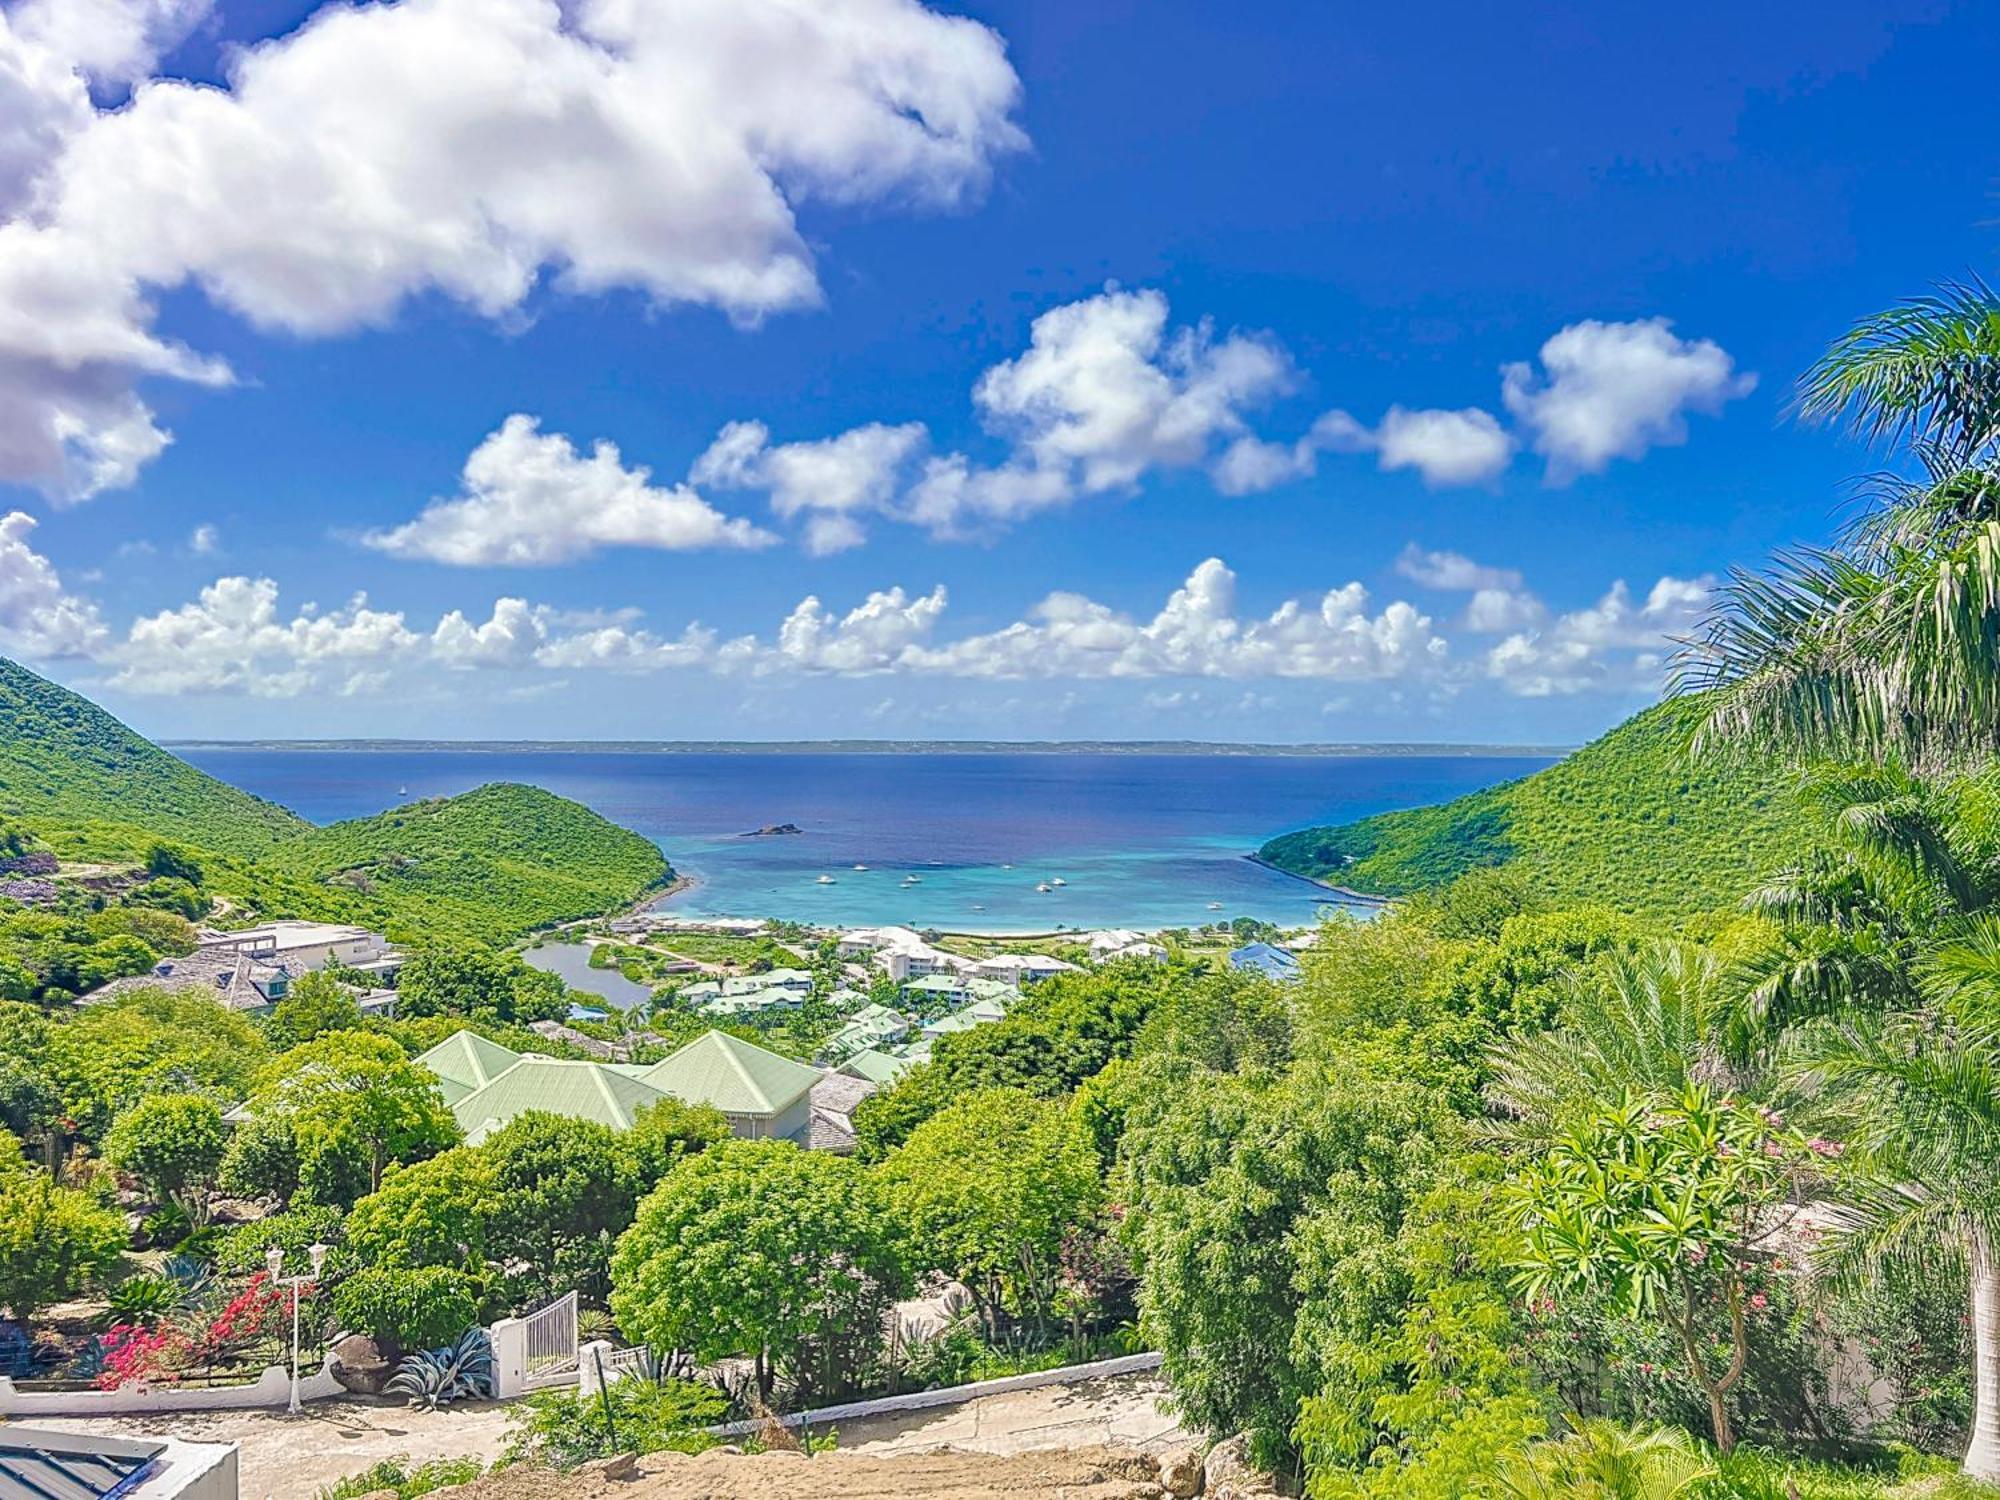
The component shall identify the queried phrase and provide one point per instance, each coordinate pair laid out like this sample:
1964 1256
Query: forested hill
1628 820
490 864
66 764
505 857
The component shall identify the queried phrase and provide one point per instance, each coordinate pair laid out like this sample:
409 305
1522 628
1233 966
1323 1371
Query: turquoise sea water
954 841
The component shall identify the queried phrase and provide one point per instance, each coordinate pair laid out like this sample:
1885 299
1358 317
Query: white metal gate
551 1344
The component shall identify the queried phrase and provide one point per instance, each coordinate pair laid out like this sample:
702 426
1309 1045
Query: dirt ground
292 1458
1078 1474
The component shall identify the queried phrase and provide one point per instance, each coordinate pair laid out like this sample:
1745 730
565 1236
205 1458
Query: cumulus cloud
1617 643
1107 392
530 499
832 482
39 618
470 148
232 639
236 637
205 540
1452 572
1613 390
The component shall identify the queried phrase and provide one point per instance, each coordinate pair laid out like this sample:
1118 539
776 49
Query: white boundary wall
272 1388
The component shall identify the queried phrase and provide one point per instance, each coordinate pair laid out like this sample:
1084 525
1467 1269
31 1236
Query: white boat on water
913 880
1215 906
826 880
1044 887
861 867
1058 881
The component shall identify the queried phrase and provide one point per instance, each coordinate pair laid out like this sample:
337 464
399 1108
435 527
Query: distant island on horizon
882 747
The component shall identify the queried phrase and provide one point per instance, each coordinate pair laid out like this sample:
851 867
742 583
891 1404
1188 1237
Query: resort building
899 951
752 1003
872 1026
1018 969
762 1095
1263 958
304 946
237 980
574 1090
872 1065
976 1014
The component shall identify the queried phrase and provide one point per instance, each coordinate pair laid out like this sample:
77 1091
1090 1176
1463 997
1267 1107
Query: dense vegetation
69 768
491 864
494 862
1629 819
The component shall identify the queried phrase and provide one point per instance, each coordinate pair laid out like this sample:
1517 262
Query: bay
956 841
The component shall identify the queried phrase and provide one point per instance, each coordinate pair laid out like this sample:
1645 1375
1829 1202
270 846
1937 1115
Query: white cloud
1614 390
832 482
875 636
1615 644
464 147
1452 572
232 639
205 540
530 499
1103 392
39 618
1448 449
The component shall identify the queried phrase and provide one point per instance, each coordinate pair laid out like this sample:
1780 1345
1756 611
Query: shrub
394 1474
421 1308
564 1429
240 1249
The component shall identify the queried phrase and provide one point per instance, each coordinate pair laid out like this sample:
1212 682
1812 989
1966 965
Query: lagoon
1141 840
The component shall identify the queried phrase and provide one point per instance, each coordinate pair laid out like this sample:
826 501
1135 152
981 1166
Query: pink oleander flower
1821 1146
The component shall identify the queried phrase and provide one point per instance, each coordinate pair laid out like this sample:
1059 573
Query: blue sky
1280 257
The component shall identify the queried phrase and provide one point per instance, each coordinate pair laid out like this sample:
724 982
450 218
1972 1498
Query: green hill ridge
67 768
1629 820
491 864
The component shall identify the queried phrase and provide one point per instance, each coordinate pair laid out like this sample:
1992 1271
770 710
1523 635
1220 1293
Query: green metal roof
466 1061
737 1077
876 1066
576 1090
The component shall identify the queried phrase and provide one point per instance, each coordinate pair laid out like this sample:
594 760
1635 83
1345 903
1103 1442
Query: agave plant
144 1300
438 1377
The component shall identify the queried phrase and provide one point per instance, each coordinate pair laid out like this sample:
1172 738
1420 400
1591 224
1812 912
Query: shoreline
1346 894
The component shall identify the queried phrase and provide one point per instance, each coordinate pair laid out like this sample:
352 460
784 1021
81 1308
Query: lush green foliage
405 1482
563 1429
173 1143
758 1248
436 1213
988 1189
1628 820
53 1240
567 1188
479 984
424 1307
65 765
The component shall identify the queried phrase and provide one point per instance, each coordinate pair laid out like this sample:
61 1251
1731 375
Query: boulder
1228 1474
361 1365
1181 1470
624 1466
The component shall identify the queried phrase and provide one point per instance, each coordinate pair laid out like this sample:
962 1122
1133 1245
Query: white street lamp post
275 1259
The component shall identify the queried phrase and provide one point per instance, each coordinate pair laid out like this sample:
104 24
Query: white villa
304 946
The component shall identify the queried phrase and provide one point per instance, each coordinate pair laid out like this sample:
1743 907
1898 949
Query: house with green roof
763 1096
873 1065
557 1086
874 1025
465 1062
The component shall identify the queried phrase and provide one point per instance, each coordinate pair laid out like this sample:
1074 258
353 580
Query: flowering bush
1673 1212
165 1353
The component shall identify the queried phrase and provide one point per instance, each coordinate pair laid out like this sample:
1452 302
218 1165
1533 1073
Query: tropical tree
1886 646
173 1143
53 1240
986 1191
1922 1189
761 1248
566 1190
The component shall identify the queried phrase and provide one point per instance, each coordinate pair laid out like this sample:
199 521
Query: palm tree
1923 1093
1886 646
1646 1020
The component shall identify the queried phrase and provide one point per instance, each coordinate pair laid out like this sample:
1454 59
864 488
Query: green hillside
81 779
498 860
491 864
1627 820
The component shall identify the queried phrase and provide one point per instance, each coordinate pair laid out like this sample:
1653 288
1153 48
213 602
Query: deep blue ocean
1138 840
